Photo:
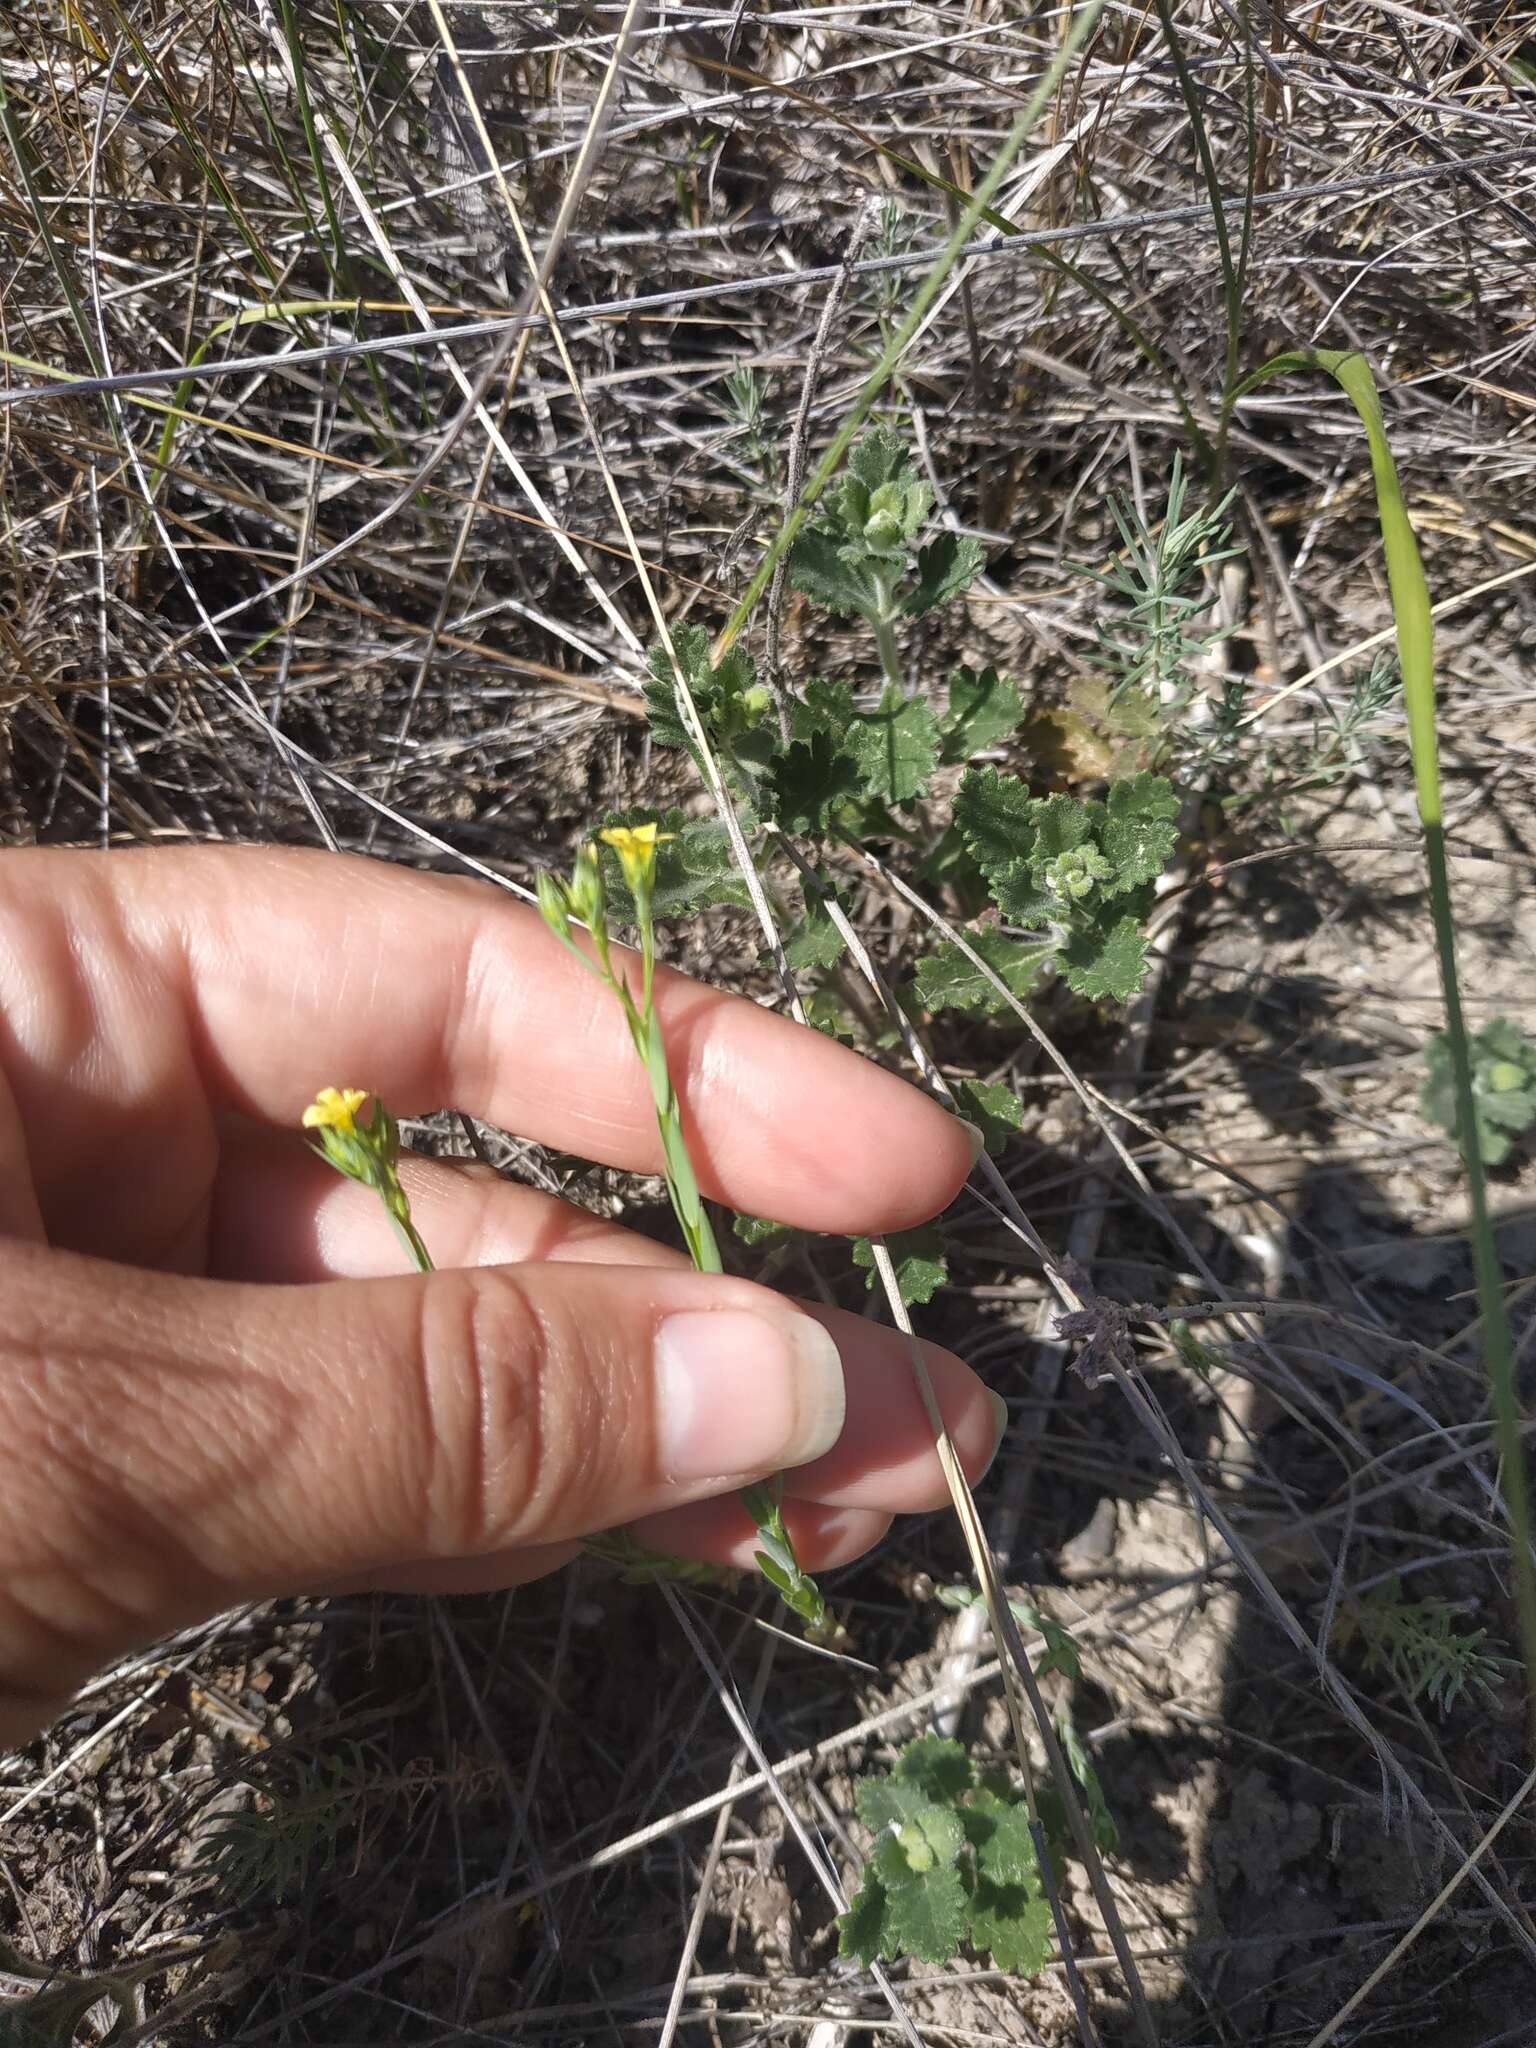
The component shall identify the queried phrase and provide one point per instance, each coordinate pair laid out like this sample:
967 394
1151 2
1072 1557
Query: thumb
177 1445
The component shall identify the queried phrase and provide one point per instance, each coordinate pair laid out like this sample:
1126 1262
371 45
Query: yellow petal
335 1108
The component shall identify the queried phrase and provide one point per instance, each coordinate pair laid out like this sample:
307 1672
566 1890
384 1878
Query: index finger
288 971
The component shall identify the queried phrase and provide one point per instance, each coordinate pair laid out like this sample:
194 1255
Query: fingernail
1000 1411
974 1137
743 1393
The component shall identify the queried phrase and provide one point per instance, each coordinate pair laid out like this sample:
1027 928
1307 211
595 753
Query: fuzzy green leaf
819 566
994 1109
1005 1848
808 781
947 980
757 1230
1140 830
896 747
1503 1061
861 1930
926 1917
947 566
695 867
890 1802
917 1256
937 1765
879 457
1106 960
996 816
984 708
1014 1922
815 941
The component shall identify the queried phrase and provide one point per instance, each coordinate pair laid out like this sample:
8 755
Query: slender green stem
410 1237
890 657
1414 620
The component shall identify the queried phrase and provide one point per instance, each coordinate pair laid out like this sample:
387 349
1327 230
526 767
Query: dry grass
278 578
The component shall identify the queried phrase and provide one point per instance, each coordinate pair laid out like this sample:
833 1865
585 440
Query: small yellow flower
636 847
335 1109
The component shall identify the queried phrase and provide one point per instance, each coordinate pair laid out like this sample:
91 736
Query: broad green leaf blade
994 1109
861 1930
1140 830
947 980
890 1802
1005 1849
879 457
947 566
996 816
917 1256
807 783
1014 1922
984 708
815 941
938 1765
818 566
1106 960
896 747
926 1917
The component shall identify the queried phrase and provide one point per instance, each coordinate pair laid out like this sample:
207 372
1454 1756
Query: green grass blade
1416 655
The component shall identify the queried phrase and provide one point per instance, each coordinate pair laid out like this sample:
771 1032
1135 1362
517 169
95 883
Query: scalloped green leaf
879 457
918 1259
938 1765
808 781
993 1108
815 941
819 566
1014 1922
1140 829
1106 960
926 1917
984 708
948 565
896 747
861 1930
947 980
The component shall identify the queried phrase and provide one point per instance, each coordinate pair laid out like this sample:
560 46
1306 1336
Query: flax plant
583 900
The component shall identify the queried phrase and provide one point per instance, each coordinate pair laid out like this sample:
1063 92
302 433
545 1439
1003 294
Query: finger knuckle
509 1416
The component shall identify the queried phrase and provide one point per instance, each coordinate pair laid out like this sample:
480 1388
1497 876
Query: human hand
185 1427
